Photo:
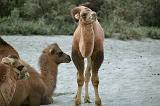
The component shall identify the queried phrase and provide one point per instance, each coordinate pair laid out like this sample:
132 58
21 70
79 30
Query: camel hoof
98 102
51 101
87 100
77 102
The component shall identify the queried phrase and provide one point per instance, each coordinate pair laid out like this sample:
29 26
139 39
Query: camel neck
86 39
87 32
49 75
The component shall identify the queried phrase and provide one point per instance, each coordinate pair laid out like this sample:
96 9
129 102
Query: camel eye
13 56
60 54
13 63
84 15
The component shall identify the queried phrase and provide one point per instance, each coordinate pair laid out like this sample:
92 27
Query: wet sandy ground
129 76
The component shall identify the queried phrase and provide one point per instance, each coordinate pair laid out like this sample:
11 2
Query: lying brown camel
6 50
87 43
11 70
38 89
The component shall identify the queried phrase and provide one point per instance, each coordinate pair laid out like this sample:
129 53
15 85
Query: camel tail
2 42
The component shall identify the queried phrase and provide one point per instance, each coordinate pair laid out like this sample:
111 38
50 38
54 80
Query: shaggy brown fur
40 87
87 43
7 84
10 69
6 49
8 76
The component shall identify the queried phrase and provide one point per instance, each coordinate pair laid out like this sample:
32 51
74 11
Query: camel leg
35 100
17 101
79 63
97 59
80 81
46 100
15 104
50 100
87 79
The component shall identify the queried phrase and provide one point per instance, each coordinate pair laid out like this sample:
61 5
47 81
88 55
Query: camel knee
80 81
95 81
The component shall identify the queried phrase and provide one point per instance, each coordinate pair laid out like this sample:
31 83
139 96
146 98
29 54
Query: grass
122 30
12 27
125 32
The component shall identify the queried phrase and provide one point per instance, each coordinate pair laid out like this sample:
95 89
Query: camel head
56 54
17 65
84 14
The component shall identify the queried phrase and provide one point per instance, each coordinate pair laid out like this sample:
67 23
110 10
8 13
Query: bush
123 19
150 13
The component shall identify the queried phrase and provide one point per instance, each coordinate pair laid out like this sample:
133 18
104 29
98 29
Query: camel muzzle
94 16
68 59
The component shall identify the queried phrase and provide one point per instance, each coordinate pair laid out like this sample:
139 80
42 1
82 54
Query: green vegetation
122 19
125 32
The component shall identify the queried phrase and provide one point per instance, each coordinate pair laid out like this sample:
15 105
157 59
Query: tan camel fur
11 70
38 89
87 43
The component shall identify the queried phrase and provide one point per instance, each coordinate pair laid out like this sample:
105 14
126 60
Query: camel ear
52 51
77 16
75 13
55 44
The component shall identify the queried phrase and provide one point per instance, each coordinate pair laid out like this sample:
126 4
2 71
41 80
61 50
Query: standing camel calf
87 43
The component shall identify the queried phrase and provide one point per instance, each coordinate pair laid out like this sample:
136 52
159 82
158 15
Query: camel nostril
69 58
94 15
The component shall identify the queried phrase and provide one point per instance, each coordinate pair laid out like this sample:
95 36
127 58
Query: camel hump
2 41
